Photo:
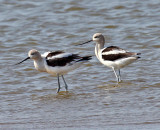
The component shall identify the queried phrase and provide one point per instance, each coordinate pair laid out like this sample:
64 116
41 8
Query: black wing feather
62 61
113 57
54 53
111 48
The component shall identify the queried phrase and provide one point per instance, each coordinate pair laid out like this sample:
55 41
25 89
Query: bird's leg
115 74
66 86
59 87
119 75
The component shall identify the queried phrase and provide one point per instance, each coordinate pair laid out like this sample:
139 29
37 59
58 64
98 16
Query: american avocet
112 56
56 63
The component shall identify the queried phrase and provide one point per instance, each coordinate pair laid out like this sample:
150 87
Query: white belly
61 70
117 64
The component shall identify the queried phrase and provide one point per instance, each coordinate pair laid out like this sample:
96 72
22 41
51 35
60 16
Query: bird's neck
39 64
98 48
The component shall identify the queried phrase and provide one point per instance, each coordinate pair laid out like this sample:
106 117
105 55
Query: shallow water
29 99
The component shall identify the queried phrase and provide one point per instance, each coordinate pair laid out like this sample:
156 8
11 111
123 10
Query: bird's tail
134 54
138 55
85 58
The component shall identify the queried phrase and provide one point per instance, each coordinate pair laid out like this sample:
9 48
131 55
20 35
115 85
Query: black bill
23 61
85 42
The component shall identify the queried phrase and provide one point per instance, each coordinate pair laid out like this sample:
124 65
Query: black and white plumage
56 63
112 56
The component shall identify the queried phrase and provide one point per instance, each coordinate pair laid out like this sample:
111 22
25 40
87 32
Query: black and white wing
60 58
113 53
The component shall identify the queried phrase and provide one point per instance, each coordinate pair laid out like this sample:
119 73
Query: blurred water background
28 98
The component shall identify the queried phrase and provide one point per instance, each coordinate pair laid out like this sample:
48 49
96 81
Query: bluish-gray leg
66 86
59 87
119 75
115 74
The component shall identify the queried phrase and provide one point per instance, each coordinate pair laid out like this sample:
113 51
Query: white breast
40 65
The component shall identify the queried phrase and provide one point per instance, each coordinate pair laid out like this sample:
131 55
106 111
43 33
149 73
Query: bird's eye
96 37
